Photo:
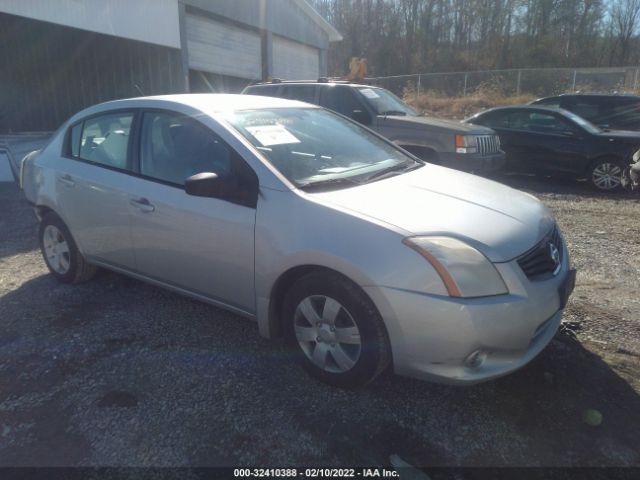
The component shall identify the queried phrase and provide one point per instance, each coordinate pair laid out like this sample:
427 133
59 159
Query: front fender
295 230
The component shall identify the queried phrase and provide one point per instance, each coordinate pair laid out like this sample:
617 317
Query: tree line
419 36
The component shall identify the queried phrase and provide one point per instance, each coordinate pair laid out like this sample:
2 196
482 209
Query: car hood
499 221
624 135
402 121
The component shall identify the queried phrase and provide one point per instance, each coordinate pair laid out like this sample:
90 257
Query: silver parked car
325 233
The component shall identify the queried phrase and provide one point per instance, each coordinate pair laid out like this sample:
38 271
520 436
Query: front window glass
341 99
174 147
590 111
76 131
588 126
384 102
544 123
316 148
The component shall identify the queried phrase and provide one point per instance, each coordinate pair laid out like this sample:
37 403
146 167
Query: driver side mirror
361 117
206 184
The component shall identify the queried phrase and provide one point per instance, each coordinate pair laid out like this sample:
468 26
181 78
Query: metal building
59 56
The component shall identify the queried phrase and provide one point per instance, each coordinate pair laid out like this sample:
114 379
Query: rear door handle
143 204
67 180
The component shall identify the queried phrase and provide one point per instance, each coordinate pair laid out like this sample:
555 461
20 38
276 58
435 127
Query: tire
350 357
605 174
60 253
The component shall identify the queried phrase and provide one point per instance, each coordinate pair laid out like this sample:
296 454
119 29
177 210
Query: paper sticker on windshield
269 135
367 92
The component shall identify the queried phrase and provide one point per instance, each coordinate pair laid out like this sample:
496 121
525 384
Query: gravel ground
116 372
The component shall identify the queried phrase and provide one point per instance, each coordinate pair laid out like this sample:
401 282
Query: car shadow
17 222
183 369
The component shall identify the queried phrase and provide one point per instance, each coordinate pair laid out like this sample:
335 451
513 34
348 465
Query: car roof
526 107
310 82
223 102
591 94
208 103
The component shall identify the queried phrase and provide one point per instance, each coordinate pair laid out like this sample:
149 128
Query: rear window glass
549 102
105 139
74 139
304 93
586 110
266 90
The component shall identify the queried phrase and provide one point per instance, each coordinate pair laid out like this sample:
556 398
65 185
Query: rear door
202 245
513 141
92 184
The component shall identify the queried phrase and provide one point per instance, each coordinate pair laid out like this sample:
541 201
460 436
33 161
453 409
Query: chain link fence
538 82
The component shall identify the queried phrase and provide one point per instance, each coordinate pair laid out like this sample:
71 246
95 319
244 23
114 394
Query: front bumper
473 162
433 337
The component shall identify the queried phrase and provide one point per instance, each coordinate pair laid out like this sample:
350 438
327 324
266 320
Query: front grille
487 144
538 262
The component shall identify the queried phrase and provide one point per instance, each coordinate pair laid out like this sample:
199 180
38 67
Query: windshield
383 102
311 146
587 125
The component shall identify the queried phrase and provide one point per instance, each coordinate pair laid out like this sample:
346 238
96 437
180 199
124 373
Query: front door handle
67 180
143 204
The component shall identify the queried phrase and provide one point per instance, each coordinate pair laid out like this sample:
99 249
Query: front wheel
606 175
335 330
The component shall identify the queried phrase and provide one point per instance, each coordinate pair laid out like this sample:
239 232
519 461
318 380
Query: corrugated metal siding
50 72
217 47
294 61
153 21
283 17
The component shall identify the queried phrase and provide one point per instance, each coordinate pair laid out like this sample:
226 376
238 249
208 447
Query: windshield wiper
391 171
393 112
330 182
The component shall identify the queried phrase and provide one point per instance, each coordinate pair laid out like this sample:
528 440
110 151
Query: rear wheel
335 330
606 175
60 253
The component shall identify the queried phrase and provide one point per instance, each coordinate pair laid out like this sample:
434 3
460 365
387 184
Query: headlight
466 144
464 270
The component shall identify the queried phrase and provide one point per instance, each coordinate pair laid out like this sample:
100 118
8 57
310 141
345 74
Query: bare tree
409 36
625 19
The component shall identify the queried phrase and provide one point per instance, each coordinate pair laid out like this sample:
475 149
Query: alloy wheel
56 249
607 176
327 334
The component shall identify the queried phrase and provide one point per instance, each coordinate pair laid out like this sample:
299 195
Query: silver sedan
356 253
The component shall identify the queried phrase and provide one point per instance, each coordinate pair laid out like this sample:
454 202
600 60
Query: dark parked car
452 144
609 111
558 142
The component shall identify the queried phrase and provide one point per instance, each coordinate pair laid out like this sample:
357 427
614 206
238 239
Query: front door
553 144
542 142
203 245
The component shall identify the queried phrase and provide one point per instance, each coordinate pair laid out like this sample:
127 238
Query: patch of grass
457 108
